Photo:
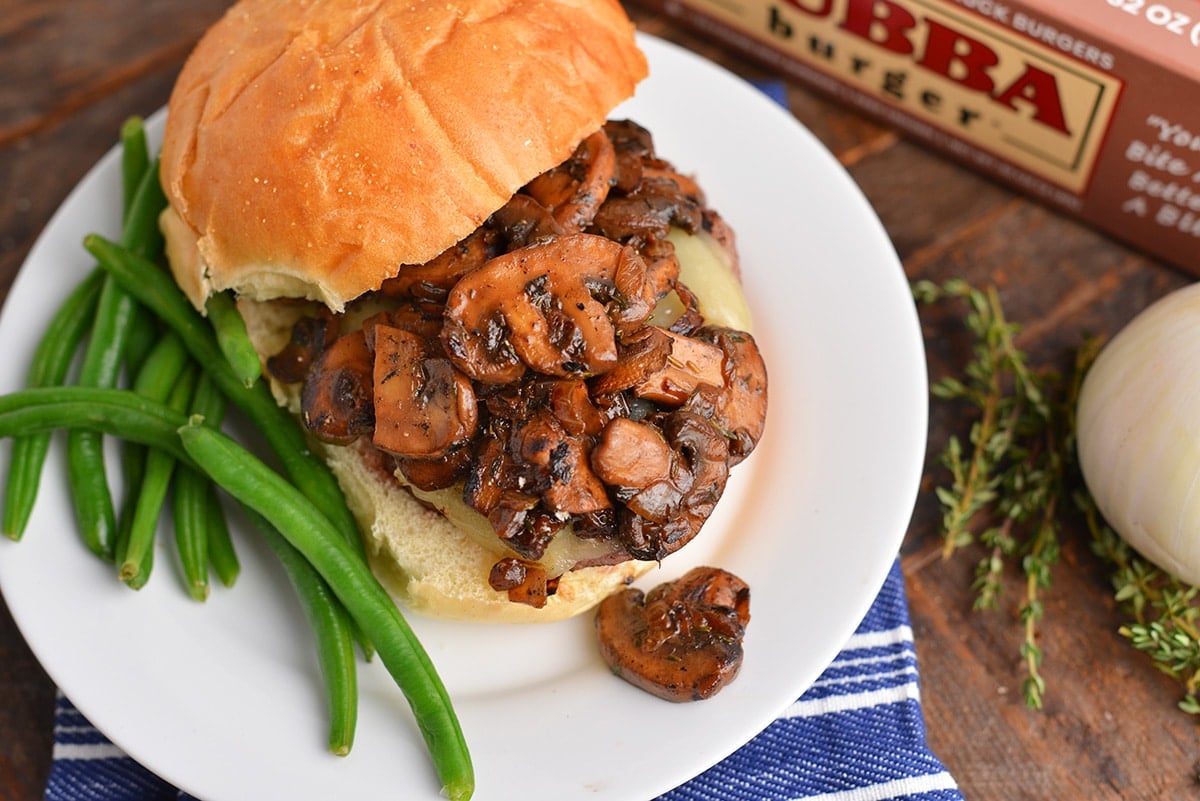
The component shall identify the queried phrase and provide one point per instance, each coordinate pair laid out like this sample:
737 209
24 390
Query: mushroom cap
682 641
312 148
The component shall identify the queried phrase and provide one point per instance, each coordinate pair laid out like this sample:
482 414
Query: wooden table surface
72 70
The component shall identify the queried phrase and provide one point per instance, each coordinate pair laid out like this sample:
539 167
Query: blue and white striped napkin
856 735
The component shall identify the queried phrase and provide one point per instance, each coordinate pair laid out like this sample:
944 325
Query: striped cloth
856 735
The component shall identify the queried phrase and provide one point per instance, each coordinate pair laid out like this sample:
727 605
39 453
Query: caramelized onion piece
641 355
523 528
682 641
662 265
337 398
570 403
524 582
423 406
482 489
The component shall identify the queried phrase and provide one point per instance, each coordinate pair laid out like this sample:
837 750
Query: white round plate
223 698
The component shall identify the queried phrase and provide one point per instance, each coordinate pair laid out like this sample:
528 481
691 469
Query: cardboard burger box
1092 106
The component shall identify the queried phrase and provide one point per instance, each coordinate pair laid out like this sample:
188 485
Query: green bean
331 626
159 293
189 507
152 494
160 372
133 472
141 232
101 368
144 336
85 449
305 526
221 554
118 412
155 378
51 361
232 337
135 160
191 499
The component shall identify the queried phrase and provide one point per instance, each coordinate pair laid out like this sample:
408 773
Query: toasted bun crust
313 147
423 560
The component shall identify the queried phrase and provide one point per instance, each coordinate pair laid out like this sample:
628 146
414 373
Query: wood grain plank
64 55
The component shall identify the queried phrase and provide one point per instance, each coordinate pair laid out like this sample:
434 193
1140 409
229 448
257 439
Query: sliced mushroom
423 406
555 465
662 265
337 398
667 514
571 404
631 455
682 641
690 363
648 211
420 317
633 145
309 337
523 221
739 408
641 355
686 184
547 306
433 279
574 190
436 472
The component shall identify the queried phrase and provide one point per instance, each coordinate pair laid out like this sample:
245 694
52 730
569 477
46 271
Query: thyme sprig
1013 487
1005 486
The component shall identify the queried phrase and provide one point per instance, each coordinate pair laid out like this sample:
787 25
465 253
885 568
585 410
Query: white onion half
1138 429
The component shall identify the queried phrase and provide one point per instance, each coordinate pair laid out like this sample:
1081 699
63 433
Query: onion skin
1138 429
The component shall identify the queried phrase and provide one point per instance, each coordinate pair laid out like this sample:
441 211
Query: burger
512 328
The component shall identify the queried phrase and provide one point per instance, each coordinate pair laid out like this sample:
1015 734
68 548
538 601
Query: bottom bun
425 562
430 566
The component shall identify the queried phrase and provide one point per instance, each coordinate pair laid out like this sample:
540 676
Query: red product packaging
1092 106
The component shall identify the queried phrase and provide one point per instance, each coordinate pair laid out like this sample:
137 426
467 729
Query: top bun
312 147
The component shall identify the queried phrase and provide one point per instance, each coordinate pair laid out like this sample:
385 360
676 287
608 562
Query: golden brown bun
311 148
424 561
